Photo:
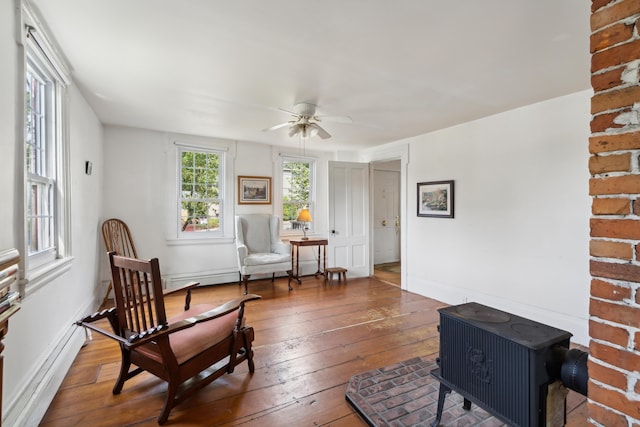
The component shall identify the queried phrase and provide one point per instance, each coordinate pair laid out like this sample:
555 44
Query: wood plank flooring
309 343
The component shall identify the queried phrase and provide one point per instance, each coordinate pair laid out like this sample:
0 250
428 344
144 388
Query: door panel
348 218
386 216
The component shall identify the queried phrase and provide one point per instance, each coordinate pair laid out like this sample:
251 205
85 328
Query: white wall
140 173
42 342
8 71
519 240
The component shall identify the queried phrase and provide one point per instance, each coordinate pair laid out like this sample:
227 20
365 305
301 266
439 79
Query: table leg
324 260
298 265
318 271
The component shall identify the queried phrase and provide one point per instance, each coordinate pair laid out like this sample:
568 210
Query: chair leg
235 348
290 274
245 280
172 390
248 339
273 277
125 364
187 300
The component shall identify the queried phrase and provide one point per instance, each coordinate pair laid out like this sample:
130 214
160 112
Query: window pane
40 217
200 216
200 202
39 158
296 192
35 124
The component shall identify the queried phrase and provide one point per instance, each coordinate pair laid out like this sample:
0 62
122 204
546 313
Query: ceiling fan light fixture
304 123
308 132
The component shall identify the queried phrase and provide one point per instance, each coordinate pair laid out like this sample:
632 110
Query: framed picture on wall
254 190
435 199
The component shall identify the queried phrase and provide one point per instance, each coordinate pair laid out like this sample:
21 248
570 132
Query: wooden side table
295 255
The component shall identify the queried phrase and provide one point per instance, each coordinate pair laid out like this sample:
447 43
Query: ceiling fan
305 122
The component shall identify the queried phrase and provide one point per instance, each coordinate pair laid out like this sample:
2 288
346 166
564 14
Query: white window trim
226 232
45 51
283 157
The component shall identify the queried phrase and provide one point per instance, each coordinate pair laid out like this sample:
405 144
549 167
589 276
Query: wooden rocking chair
181 350
117 238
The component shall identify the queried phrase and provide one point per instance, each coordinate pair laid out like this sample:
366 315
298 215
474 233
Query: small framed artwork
254 190
435 199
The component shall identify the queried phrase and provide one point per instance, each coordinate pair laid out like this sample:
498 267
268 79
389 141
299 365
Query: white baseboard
32 402
172 281
577 326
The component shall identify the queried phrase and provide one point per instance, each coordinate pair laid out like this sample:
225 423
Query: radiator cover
499 361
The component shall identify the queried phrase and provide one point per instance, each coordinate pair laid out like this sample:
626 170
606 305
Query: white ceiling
397 68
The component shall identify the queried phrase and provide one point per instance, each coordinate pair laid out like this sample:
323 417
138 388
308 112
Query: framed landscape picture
254 190
435 199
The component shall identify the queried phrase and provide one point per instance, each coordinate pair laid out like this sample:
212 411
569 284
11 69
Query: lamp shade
304 215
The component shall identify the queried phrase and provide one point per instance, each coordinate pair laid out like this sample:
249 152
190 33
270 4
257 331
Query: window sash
40 160
295 194
201 202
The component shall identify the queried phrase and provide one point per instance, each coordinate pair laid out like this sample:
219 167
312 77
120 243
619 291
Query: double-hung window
297 192
46 207
201 191
40 159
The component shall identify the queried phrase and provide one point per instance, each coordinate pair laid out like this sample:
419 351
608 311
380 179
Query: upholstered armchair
260 249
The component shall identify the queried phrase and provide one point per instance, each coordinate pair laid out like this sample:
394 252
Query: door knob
384 222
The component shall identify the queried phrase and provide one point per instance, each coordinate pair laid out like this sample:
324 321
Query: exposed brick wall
614 326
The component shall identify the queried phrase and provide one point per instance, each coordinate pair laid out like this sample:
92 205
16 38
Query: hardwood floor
389 273
309 343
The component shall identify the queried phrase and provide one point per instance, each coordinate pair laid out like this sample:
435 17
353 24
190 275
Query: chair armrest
223 309
187 287
243 251
110 314
282 248
187 297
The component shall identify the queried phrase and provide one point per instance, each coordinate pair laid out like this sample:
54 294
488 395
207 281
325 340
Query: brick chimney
614 327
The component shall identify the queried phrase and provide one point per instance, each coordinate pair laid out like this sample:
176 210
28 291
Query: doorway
386 221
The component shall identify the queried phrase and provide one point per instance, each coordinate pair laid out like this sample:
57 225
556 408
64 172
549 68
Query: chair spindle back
117 238
138 293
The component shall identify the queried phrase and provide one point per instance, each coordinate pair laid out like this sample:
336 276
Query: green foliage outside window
297 188
200 180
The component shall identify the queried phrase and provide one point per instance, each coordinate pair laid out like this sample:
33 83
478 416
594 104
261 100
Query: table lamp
305 216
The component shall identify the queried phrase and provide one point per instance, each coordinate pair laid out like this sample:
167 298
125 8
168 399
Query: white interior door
386 216
348 217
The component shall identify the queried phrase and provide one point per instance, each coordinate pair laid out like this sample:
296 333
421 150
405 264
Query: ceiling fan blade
321 132
288 112
334 119
281 125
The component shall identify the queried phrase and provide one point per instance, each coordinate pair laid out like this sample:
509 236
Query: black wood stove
502 362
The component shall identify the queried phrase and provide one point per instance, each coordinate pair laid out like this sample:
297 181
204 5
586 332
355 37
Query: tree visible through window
296 192
200 200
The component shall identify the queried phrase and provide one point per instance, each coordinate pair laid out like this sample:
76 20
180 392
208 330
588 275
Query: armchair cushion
193 341
266 258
